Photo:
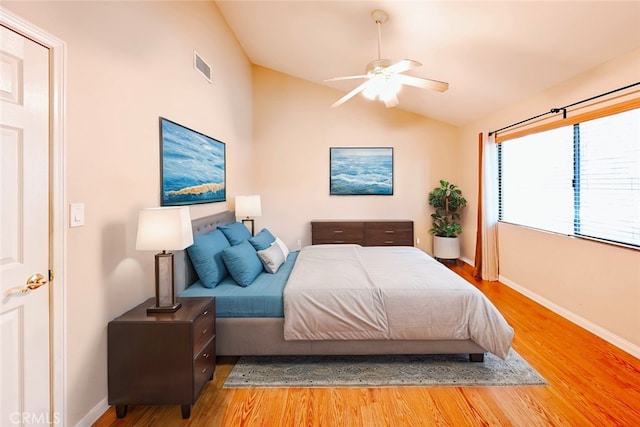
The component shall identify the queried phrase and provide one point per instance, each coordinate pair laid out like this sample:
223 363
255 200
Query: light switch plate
76 215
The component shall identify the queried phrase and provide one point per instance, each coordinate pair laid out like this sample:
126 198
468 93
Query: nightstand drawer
204 328
204 366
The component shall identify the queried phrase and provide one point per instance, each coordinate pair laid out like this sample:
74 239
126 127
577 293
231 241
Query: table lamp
164 229
247 207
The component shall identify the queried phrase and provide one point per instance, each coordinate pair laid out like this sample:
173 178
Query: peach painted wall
130 62
294 127
127 64
594 284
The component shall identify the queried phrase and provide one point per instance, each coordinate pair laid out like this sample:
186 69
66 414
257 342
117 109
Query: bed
379 316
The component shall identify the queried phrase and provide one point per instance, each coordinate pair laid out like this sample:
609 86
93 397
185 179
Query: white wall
594 284
127 64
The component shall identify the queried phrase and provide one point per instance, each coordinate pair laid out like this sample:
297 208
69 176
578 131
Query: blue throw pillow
235 233
242 262
206 257
262 240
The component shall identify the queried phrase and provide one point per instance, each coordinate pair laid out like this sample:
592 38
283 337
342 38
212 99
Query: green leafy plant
448 202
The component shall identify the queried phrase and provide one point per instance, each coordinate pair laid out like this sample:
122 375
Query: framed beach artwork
192 166
361 171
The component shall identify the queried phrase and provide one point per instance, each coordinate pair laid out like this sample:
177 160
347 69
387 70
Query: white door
24 232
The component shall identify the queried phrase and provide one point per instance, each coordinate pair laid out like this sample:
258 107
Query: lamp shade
167 228
248 206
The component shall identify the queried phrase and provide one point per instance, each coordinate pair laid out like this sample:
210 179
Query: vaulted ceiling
492 53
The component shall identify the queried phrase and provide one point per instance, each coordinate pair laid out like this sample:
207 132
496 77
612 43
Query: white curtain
487 240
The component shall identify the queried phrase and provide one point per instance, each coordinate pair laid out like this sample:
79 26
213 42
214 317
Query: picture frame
359 171
192 166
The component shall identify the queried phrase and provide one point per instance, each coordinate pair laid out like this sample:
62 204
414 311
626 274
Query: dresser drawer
389 233
204 328
390 238
366 233
337 232
204 366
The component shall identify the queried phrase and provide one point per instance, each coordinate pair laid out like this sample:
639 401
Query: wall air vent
202 66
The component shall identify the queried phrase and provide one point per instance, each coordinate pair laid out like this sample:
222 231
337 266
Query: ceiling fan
384 78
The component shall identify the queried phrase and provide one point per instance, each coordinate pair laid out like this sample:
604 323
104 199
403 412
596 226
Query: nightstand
163 358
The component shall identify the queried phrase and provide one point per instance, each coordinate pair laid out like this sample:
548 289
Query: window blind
537 173
609 178
581 179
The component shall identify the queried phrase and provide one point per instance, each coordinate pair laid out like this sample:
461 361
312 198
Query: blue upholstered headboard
184 274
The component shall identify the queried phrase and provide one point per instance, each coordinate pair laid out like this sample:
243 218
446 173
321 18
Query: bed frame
264 336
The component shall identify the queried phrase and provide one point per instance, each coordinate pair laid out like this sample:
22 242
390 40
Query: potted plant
448 202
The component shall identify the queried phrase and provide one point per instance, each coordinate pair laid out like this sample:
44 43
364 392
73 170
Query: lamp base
164 309
251 221
165 294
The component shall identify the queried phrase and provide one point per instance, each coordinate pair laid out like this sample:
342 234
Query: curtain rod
564 109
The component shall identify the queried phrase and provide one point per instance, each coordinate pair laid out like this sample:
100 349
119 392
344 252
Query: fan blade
401 66
333 79
392 102
423 83
351 94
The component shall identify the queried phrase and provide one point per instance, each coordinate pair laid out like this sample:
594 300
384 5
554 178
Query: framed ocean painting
192 166
361 171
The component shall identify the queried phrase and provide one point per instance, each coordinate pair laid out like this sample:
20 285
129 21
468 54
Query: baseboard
93 415
467 261
603 333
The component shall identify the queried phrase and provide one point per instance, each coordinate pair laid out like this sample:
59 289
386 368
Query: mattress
349 292
262 298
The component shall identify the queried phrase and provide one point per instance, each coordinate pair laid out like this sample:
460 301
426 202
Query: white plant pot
446 247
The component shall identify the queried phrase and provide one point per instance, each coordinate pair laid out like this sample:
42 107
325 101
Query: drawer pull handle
205 355
205 331
388 242
205 312
390 231
338 231
204 370
338 241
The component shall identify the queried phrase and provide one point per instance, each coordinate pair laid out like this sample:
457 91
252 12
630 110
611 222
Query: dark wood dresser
163 358
365 233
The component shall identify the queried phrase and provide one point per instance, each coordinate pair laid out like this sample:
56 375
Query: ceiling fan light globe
388 94
390 89
374 88
369 93
393 84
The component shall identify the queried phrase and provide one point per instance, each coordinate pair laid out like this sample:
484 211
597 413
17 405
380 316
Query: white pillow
272 258
283 247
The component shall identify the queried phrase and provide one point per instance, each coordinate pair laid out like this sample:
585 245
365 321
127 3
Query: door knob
34 282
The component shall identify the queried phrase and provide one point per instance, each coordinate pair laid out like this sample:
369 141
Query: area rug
381 371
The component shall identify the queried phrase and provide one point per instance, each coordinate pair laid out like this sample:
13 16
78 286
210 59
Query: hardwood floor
590 383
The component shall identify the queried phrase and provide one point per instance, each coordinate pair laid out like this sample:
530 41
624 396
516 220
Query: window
581 180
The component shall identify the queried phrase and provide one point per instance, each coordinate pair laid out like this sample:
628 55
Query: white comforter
349 292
